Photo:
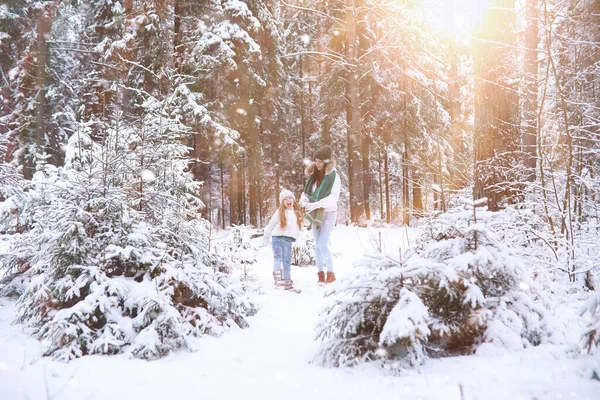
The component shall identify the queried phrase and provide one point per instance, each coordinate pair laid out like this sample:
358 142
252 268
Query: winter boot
278 277
330 277
287 284
321 275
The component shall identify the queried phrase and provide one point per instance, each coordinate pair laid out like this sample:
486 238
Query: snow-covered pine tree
11 179
591 336
482 289
462 288
372 313
118 257
238 252
303 251
22 201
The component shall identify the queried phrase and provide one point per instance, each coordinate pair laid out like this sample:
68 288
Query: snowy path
270 361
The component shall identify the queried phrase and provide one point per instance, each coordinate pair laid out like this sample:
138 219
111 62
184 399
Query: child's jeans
322 253
282 254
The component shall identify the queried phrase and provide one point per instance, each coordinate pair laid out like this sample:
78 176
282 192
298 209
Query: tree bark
406 207
380 181
496 130
43 31
529 134
177 45
388 209
366 148
355 168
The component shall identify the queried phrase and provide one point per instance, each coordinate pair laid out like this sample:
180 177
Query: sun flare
454 17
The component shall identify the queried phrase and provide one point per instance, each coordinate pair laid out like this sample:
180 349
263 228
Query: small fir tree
303 251
117 255
591 337
461 288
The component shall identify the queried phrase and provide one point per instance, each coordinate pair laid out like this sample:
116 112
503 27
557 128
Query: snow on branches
592 332
461 291
117 255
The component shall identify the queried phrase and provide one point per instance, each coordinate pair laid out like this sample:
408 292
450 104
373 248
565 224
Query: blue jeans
322 253
282 254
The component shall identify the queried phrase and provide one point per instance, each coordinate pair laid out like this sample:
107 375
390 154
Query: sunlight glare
454 17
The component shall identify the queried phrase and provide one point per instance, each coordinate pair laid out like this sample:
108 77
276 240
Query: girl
284 227
320 197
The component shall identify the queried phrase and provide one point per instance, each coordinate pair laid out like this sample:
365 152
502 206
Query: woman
319 199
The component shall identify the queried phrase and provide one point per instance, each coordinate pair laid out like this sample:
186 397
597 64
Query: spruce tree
461 290
117 254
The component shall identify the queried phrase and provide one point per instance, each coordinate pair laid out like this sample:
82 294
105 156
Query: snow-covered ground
270 360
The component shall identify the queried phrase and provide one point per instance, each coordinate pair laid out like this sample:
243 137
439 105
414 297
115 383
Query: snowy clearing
270 360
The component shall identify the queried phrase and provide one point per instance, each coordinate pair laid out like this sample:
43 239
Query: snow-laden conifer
372 313
460 289
117 254
11 196
303 251
24 200
238 253
591 338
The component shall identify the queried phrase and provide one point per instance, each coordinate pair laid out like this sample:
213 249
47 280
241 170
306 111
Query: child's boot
288 284
277 277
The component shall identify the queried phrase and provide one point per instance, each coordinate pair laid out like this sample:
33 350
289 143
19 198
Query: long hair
318 176
283 219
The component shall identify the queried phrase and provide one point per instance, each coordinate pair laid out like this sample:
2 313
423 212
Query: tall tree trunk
253 176
566 220
457 176
417 197
241 192
355 168
43 32
380 181
406 206
209 204
125 93
496 131
529 134
303 127
177 45
235 216
222 194
386 169
366 148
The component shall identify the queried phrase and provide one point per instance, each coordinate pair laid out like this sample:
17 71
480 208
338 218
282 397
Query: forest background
421 101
